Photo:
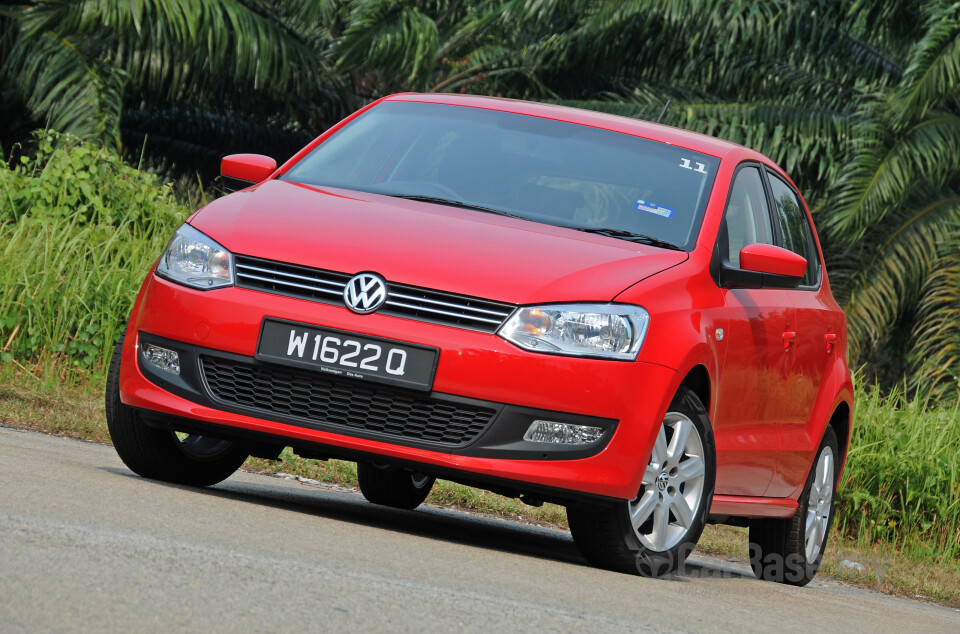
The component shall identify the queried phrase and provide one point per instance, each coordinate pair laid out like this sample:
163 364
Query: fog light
563 433
166 360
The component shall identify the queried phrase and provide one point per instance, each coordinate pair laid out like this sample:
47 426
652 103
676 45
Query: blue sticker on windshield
654 208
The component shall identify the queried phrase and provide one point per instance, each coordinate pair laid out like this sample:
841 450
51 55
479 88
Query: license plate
347 354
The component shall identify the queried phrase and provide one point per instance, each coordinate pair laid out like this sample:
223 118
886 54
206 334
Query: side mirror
238 171
773 261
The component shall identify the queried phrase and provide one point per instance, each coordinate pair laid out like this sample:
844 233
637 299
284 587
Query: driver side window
747 219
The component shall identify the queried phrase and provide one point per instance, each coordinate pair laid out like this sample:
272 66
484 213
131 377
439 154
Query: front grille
318 401
445 308
411 302
290 279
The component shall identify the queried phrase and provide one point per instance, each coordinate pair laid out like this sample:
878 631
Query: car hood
429 245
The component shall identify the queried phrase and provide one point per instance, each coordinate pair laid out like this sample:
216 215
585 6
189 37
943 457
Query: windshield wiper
454 203
632 237
612 233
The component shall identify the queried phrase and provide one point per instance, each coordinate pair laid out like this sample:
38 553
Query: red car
621 317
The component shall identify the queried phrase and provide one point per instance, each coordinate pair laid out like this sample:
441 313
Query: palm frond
885 168
478 24
308 13
66 89
174 45
893 273
933 74
731 49
173 49
395 38
935 361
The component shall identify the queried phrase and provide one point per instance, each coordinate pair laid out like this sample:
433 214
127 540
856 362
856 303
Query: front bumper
438 422
628 400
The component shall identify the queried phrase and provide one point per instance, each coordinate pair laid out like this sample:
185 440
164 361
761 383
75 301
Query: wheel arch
697 379
842 423
834 408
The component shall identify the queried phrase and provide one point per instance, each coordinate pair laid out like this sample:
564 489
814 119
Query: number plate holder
322 350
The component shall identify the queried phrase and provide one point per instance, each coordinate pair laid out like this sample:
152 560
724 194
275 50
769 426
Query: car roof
615 123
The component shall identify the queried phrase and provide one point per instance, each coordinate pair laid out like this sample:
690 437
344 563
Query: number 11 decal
685 164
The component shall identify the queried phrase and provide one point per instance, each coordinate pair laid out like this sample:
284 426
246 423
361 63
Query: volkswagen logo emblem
365 292
663 480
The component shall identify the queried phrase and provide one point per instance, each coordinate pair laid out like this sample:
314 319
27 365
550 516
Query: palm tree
189 81
178 72
897 208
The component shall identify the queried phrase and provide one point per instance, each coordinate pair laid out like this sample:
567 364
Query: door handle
789 336
830 338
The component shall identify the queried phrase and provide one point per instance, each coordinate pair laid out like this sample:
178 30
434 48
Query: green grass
901 486
79 230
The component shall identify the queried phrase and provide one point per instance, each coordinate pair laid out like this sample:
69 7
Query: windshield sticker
700 167
654 208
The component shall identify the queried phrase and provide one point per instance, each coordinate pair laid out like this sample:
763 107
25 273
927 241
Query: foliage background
858 100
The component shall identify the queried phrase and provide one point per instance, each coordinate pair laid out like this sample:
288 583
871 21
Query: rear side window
747 220
795 228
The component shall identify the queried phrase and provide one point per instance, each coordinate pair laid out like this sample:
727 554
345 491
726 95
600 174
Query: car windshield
538 169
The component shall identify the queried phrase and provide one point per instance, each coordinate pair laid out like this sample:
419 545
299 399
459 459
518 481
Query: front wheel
162 454
790 550
654 533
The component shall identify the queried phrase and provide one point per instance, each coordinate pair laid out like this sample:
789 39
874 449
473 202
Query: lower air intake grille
321 402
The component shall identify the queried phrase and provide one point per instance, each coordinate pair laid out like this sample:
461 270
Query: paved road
85 545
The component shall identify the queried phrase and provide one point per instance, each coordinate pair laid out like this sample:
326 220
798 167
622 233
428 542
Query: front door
754 374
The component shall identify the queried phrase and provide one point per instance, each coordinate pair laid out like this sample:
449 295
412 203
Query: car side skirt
754 507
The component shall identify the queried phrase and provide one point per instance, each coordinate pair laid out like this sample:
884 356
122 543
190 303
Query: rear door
754 374
816 331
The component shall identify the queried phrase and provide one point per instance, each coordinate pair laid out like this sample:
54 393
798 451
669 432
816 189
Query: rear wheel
790 550
162 454
653 534
393 486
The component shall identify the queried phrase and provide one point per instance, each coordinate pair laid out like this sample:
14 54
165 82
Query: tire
671 507
790 550
392 486
161 454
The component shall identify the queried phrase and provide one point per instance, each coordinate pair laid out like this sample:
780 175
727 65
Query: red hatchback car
621 317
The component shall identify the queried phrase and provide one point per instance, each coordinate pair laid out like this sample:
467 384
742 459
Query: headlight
193 259
610 331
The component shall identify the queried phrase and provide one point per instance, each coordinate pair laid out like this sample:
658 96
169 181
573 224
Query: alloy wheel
672 488
819 505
